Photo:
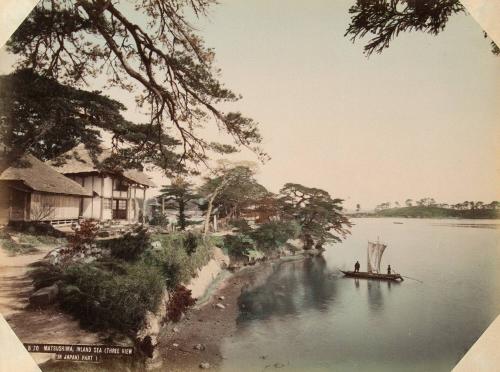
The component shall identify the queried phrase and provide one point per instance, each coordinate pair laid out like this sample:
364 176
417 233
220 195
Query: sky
419 120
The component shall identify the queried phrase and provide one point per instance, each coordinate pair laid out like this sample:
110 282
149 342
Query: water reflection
291 288
306 315
375 296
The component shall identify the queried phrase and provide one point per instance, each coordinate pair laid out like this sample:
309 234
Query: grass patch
41 239
25 243
16 248
177 259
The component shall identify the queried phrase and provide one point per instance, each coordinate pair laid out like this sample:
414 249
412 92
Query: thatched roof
39 176
138 177
78 160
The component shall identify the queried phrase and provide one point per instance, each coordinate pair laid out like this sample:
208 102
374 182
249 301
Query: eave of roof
79 161
41 177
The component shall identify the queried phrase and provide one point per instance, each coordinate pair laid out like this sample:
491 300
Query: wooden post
112 191
144 205
129 203
101 214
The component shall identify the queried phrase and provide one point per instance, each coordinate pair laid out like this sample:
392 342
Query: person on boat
389 269
356 267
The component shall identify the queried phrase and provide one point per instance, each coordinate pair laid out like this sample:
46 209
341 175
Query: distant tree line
430 202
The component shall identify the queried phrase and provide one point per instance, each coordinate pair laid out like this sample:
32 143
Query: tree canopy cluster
149 48
384 20
232 193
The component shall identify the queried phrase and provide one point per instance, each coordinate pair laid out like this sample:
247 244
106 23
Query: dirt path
44 326
15 286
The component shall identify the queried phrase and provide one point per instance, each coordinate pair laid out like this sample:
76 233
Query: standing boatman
356 267
389 269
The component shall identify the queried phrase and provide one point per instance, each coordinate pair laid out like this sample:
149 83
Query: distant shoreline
431 212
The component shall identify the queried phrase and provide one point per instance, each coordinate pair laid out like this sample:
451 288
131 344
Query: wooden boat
376 276
374 257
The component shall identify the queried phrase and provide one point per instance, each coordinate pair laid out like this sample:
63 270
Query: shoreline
207 324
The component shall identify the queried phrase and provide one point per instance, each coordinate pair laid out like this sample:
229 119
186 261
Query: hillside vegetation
437 212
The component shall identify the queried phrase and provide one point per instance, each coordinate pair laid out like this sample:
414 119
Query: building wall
54 207
47 207
4 204
98 207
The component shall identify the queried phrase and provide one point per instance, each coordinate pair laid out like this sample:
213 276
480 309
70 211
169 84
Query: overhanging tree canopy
150 46
43 117
386 19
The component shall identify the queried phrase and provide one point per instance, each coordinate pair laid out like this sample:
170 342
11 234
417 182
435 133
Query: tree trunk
216 192
209 212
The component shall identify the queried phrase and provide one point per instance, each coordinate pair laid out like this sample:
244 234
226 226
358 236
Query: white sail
374 253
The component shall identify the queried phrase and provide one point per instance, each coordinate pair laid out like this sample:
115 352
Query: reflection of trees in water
291 288
321 288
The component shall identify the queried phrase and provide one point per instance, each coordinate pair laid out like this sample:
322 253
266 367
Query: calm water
305 316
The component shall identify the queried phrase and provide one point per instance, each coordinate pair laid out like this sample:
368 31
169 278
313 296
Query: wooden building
31 190
117 195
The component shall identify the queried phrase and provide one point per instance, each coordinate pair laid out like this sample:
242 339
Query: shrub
104 299
84 234
191 243
158 219
173 265
45 274
217 240
180 301
238 245
176 265
130 246
272 235
241 225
